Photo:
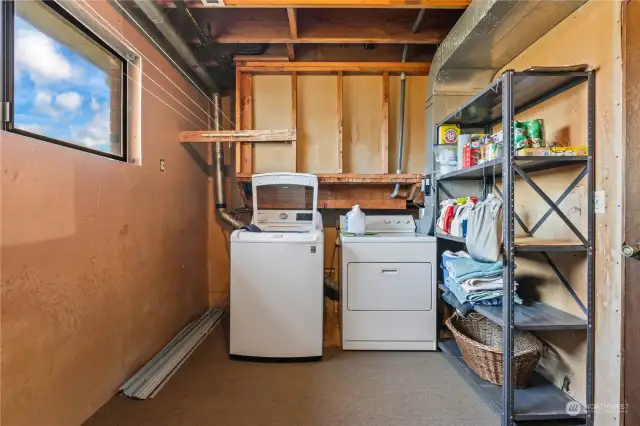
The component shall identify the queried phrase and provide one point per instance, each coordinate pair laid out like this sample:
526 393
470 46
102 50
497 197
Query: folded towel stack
469 282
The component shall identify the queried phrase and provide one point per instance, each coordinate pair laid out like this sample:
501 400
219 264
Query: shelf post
509 249
591 306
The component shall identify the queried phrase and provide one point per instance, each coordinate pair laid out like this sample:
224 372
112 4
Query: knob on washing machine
283 216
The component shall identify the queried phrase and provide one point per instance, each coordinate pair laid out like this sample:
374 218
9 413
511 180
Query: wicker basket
480 341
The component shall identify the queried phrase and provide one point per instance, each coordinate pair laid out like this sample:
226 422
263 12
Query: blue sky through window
59 93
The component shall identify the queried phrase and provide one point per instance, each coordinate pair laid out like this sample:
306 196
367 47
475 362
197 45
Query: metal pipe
218 180
403 92
157 16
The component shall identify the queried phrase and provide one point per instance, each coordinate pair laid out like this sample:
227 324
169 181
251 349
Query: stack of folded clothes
469 282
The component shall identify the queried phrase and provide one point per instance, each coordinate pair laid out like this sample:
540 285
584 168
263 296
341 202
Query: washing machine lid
388 237
283 201
243 236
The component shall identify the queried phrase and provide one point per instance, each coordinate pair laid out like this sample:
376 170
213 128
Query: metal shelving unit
513 93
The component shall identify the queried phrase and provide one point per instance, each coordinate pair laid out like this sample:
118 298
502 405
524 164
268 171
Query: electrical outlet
600 201
161 165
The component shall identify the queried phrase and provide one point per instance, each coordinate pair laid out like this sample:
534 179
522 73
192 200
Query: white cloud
42 103
95 105
97 130
33 128
70 101
39 55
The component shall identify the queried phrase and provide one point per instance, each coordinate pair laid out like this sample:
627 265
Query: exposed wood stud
340 122
239 136
238 125
384 128
293 22
412 68
291 51
246 121
294 117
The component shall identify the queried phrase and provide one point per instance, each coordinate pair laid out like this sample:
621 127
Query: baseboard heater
148 381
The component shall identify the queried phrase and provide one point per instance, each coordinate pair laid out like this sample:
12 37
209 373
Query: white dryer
388 287
276 300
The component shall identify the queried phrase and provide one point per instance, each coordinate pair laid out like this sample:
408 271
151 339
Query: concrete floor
346 388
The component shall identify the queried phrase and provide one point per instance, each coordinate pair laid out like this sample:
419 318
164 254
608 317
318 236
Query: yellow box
448 134
579 151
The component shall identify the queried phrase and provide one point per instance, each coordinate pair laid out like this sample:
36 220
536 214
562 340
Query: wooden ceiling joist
240 136
411 68
325 26
385 4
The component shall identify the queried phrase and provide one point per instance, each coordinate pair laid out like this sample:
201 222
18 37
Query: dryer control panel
386 223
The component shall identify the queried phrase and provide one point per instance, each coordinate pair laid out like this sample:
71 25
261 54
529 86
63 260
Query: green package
520 139
534 133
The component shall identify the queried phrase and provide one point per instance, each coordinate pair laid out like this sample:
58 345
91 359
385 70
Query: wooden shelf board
342 178
530 243
541 401
209 136
533 316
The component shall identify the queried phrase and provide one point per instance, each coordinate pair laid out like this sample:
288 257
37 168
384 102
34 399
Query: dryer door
389 287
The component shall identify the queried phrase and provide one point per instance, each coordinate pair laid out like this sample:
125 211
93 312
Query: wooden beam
342 178
291 52
340 123
259 58
412 68
351 4
294 118
238 136
384 128
238 125
321 26
293 22
246 121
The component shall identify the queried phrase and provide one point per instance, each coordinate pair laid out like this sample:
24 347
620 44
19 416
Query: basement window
61 83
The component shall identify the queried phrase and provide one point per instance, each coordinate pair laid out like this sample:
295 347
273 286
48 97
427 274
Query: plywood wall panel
121 270
318 123
415 140
272 110
362 123
592 35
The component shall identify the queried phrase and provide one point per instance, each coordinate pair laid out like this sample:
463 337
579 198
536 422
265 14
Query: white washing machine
276 300
388 287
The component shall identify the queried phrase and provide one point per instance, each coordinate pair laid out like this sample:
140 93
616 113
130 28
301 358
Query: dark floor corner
346 388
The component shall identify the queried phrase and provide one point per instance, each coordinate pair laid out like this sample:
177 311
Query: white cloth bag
484 230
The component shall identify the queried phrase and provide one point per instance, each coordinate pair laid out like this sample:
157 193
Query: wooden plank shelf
240 136
530 244
541 401
344 178
534 316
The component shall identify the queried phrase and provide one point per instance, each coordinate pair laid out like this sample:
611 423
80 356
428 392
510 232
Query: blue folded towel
461 270
476 296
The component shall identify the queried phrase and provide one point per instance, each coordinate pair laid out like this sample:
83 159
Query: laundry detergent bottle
355 222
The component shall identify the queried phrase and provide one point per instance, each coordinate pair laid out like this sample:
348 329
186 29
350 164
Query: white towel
480 284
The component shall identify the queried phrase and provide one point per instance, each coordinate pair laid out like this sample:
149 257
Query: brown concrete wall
102 261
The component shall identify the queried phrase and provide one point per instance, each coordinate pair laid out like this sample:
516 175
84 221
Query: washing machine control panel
285 220
386 223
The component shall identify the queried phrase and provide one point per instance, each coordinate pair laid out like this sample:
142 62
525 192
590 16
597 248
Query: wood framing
384 128
340 124
352 4
246 120
344 178
294 118
293 22
239 136
291 52
411 68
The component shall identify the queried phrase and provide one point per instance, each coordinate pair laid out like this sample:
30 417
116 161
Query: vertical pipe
509 250
403 87
591 305
219 182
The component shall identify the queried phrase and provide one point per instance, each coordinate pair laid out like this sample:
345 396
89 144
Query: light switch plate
162 165
600 202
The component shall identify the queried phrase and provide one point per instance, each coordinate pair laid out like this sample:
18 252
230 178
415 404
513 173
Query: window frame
7 65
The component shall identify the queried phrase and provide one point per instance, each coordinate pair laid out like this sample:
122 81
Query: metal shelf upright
499 103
